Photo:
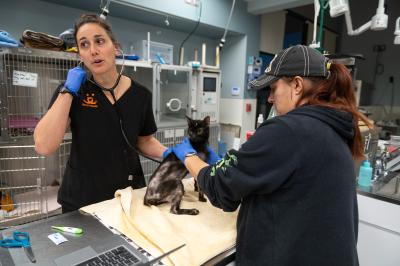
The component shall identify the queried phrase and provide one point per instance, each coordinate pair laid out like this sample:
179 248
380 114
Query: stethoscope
111 91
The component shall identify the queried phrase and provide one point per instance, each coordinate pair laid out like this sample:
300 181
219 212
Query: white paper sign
27 79
169 133
57 238
249 69
235 91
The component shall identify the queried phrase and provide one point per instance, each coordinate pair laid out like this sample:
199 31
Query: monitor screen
210 84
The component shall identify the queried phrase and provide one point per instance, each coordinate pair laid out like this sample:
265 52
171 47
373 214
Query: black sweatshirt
295 181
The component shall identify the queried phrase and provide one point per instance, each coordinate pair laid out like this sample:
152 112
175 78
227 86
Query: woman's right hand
76 76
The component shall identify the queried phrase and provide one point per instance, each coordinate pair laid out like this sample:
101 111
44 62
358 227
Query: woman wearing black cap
294 178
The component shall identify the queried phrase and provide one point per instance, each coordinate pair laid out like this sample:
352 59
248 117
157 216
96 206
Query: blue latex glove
183 149
5 37
212 156
7 44
76 76
167 152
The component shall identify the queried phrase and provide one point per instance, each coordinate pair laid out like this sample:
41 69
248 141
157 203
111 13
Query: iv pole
324 5
320 7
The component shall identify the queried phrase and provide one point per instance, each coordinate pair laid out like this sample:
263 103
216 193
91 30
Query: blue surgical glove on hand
212 156
167 152
76 76
181 150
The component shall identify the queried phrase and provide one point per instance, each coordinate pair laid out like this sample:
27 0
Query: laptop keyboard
116 256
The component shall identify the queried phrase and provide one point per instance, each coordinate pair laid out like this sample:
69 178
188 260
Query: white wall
234 112
272 31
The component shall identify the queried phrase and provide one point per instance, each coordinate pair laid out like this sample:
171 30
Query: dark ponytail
337 92
93 18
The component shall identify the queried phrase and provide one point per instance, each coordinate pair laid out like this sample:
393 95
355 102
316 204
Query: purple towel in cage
26 122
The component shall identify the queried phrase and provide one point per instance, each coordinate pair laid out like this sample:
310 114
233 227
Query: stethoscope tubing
111 91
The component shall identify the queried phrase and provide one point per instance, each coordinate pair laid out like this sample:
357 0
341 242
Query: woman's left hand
212 156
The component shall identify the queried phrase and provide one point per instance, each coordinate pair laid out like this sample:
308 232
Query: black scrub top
101 161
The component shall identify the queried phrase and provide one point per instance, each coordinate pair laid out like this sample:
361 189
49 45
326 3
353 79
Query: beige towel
157 230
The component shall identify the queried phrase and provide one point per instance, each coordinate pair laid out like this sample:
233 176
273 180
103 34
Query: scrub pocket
71 190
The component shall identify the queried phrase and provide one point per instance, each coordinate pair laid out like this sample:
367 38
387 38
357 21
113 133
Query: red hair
337 92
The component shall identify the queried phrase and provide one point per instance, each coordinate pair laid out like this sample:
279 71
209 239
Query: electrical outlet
379 48
192 2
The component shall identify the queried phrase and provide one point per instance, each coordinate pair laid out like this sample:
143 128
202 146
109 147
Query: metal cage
27 191
29 78
29 182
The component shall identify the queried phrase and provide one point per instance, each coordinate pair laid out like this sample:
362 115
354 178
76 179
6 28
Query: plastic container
157 50
365 174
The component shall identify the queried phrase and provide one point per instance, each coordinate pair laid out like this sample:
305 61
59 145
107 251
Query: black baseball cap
299 60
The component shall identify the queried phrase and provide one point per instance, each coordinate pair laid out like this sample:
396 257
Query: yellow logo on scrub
89 101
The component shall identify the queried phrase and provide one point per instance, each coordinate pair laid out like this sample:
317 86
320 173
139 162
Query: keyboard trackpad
76 256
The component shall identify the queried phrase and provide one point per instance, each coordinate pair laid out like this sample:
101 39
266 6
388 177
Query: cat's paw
184 211
202 199
194 212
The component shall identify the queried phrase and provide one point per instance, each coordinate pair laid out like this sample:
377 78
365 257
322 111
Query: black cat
165 184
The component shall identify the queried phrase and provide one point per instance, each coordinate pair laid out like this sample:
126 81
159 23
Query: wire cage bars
28 80
29 182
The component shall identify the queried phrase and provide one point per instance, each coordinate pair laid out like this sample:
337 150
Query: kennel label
27 79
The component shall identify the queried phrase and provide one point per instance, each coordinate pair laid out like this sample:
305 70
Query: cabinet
378 232
173 85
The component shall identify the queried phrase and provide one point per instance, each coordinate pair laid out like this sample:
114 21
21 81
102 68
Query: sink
388 186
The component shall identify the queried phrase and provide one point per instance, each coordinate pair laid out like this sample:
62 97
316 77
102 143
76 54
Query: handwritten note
27 79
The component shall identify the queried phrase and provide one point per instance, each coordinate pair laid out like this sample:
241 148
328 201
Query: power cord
383 93
191 33
379 67
222 41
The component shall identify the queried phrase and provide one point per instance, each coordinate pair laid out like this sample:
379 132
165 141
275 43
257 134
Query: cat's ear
207 120
189 120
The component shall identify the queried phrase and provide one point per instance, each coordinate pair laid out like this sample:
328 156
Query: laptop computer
114 251
95 241
122 256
